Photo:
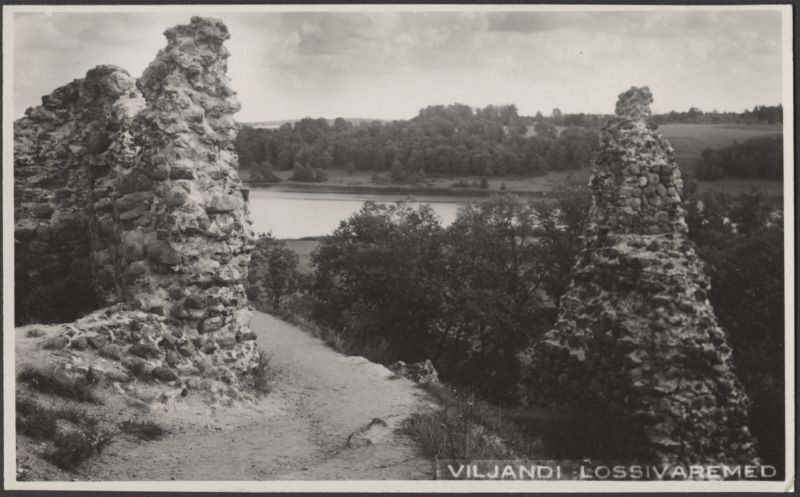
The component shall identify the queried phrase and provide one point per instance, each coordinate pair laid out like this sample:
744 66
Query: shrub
34 420
72 448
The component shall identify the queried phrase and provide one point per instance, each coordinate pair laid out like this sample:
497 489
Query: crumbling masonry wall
130 188
636 336
62 149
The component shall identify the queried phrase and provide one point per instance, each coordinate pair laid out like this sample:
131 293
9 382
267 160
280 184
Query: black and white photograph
387 248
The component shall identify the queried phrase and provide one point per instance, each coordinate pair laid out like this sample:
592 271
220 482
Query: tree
378 277
263 171
495 305
741 241
545 130
561 227
320 175
303 173
398 173
273 274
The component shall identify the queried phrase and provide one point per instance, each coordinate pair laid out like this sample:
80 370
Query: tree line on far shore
456 140
441 140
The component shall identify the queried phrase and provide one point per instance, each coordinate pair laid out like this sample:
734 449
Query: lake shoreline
296 187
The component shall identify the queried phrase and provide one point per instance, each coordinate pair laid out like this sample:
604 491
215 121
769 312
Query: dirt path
298 431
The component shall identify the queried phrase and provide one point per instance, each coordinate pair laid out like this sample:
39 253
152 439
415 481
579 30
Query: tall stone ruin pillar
127 192
636 336
183 226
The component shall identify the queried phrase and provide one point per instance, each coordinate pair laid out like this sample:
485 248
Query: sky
388 65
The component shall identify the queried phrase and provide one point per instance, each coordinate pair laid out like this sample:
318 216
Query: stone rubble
636 336
127 191
422 372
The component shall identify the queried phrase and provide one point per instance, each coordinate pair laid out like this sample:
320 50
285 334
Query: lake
301 214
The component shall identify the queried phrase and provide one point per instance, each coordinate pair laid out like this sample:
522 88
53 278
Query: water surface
300 214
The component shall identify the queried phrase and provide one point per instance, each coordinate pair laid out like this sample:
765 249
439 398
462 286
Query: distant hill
278 124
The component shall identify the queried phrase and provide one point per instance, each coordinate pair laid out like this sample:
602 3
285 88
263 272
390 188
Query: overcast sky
390 64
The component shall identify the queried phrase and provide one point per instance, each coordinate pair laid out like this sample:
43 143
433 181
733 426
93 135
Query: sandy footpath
329 417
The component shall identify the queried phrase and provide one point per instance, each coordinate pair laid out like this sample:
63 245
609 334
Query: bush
73 448
35 421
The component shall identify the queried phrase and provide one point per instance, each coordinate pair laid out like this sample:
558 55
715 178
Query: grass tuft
464 427
143 430
264 373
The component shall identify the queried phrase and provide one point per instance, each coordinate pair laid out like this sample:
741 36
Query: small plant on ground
34 333
264 373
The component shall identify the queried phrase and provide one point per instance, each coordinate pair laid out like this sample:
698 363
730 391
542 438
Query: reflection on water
299 214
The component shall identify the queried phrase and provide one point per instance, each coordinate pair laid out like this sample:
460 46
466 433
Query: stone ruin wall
636 337
62 149
127 192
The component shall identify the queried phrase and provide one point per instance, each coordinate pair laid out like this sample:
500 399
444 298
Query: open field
689 140
361 181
